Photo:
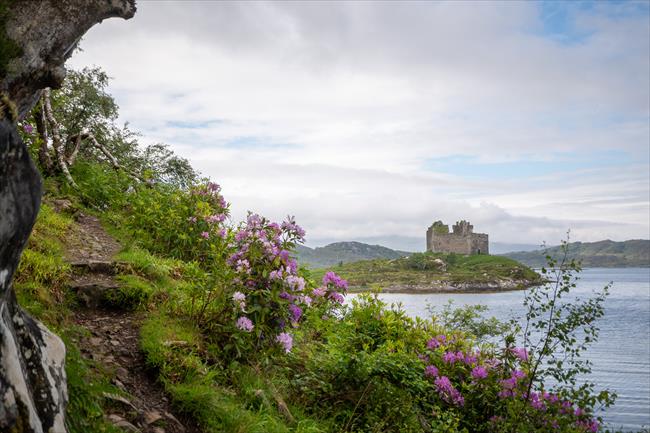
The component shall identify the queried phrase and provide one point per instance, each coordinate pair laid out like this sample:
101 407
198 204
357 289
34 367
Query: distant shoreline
451 287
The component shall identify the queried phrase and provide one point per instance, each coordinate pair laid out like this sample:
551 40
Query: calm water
621 357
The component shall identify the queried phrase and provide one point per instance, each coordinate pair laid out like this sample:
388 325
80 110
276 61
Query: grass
233 398
424 268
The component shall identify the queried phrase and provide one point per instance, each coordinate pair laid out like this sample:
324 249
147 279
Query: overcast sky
368 121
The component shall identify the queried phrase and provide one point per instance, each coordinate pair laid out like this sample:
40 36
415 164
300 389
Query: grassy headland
436 272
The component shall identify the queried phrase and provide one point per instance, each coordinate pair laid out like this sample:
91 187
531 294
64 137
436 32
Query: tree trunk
44 158
32 375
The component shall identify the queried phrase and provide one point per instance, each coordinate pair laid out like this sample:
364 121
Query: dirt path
113 340
89 243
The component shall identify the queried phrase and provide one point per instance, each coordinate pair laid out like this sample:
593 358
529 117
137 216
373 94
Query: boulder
37 37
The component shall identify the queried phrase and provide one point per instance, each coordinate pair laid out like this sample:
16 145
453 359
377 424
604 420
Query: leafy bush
187 225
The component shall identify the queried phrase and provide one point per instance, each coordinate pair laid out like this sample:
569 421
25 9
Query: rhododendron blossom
286 340
245 324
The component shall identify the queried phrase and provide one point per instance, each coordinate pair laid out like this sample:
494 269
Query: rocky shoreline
445 286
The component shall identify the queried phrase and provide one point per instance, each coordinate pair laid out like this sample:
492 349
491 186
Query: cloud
332 111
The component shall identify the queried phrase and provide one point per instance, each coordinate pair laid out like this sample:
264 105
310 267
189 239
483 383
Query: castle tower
462 239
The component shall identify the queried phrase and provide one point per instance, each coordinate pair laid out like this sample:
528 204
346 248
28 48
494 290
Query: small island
454 262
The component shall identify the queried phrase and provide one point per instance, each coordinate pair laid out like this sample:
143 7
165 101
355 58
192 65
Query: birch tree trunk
39 35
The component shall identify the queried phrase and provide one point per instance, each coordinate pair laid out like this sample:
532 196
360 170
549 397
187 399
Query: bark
32 375
44 158
57 142
72 156
109 156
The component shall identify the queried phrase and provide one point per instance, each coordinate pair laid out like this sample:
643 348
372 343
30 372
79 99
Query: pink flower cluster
206 219
447 391
265 273
332 287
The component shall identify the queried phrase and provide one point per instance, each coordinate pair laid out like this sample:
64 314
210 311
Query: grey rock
32 373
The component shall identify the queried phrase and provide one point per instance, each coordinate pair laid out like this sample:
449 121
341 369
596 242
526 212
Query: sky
370 120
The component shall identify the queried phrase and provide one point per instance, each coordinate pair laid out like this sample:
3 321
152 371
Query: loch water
620 357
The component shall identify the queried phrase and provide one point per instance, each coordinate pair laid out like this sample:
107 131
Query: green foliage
558 330
470 320
81 105
175 222
100 186
173 346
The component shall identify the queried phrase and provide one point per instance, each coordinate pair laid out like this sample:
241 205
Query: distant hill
602 254
344 252
500 248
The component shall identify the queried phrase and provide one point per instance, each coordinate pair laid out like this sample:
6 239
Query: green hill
602 254
435 272
344 252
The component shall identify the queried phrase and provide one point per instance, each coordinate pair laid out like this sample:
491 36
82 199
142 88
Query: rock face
42 35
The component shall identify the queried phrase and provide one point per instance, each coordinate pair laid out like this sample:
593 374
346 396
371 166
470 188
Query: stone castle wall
461 241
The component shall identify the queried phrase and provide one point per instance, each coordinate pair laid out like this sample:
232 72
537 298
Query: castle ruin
462 240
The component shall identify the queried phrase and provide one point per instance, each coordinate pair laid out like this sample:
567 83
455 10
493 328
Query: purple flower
292 228
28 128
276 274
215 218
245 324
536 402
292 266
205 235
296 312
243 266
295 283
470 359
479 372
338 282
213 187
286 340
518 374
337 297
319 292
286 295
192 219
431 371
520 353
452 357
241 235
284 255
447 391
432 344
240 299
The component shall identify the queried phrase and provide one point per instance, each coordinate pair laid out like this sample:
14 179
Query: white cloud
329 110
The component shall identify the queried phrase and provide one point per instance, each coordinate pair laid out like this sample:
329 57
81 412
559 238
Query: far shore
450 287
